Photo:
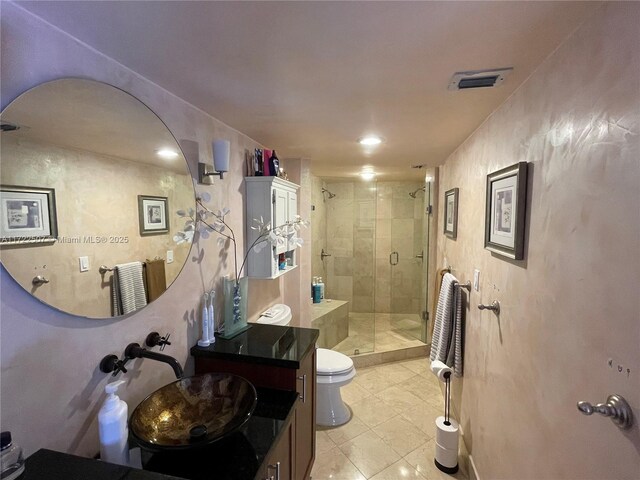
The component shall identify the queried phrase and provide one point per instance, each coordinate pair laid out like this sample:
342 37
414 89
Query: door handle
391 258
303 395
420 255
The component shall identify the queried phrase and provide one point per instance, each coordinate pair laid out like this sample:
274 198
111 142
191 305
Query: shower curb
377 358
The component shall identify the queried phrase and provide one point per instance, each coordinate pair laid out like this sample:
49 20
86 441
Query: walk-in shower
377 234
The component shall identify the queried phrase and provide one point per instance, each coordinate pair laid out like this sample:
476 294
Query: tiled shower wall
318 227
365 222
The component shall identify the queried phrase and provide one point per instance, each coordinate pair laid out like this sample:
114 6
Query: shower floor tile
393 331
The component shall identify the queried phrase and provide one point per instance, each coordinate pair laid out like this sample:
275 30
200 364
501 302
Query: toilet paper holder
616 408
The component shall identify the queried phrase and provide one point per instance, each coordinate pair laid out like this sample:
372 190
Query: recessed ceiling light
370 140
167 153
367 173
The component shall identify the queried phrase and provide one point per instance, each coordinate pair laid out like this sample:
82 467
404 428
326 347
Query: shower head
413 194
331 195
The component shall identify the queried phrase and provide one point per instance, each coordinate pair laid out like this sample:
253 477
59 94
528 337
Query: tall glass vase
235 306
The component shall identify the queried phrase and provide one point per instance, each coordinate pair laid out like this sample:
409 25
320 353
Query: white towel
446 343
128 292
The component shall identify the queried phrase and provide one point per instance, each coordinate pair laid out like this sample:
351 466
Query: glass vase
235 306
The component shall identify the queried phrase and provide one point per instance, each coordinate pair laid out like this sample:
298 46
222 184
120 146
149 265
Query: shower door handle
391 258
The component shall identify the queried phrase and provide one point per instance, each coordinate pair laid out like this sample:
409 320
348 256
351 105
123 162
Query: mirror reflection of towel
128 292
156 279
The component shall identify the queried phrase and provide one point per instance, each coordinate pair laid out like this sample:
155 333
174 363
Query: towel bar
466 286
104 269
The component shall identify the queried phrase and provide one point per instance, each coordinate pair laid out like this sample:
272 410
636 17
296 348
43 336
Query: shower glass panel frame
408 291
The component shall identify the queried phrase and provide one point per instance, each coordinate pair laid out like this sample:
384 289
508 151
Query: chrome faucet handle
615 408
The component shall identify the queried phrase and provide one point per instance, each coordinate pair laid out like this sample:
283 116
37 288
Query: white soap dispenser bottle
112 425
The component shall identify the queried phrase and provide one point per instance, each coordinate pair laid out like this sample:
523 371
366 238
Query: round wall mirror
90 182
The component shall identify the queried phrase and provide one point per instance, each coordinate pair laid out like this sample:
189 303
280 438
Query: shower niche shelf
276 201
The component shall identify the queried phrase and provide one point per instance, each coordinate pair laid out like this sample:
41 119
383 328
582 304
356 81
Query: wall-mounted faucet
111 363
134 350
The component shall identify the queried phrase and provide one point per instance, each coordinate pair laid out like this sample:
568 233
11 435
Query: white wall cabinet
276 201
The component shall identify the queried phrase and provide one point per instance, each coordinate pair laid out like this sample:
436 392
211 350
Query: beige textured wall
95 196
45 351
296 284
572 303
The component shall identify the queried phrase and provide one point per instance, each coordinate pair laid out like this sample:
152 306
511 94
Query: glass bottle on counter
11 459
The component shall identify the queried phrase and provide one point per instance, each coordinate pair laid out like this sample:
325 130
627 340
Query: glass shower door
409 255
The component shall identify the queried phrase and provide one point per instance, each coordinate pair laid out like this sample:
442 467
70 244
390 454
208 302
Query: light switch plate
169 256
84 264
476 280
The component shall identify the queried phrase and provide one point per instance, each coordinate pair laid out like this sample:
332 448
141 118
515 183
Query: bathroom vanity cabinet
275 201
264 440
275 357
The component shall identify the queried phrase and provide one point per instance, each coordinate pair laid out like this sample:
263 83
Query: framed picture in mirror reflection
27 215
154 215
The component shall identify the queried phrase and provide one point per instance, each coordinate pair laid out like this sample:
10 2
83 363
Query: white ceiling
309 78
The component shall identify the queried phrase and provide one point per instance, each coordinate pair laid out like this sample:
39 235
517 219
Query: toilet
334 370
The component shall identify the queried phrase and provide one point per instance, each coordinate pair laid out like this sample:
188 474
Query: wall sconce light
221 154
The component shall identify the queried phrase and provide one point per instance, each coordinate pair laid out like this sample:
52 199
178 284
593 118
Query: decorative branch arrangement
204 221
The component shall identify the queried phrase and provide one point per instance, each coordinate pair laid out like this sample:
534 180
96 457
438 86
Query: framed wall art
27 215
451 213
506 211
154 215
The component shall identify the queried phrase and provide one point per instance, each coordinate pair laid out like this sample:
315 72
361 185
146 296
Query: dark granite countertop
276 345
236 457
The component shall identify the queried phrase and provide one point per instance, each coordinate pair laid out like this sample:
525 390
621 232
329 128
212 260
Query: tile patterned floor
391 331
391 434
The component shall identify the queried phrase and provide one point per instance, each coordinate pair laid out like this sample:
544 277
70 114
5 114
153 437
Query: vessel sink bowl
193 412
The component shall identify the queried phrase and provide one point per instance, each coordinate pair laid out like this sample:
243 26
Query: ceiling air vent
478 78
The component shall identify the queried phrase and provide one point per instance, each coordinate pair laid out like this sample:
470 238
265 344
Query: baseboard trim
473 471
